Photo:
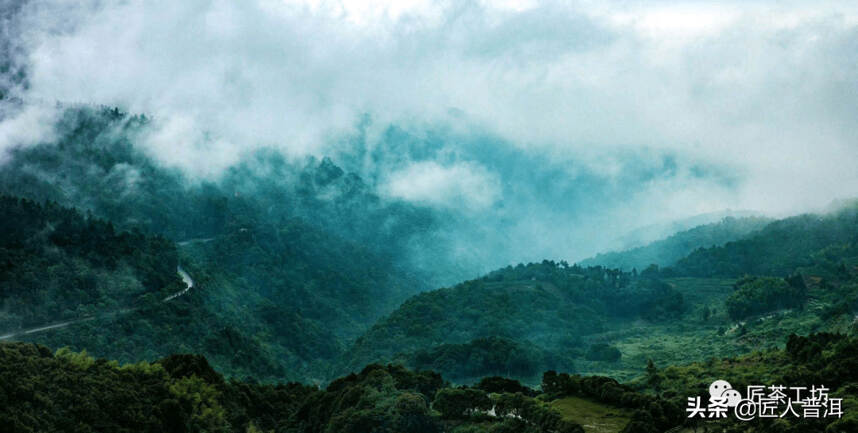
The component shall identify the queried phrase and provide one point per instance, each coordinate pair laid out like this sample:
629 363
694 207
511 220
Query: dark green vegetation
69 391
301 273
270 302
56 264
60 266
755 295
820 359
292 260
486 356
668 251
819 244
603 352
600 321
545 307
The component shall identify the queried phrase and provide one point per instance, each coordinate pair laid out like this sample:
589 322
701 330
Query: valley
341 216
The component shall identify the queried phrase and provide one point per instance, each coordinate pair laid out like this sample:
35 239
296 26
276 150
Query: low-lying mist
527 131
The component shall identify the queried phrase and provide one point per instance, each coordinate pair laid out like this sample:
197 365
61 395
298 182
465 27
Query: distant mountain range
300 272
667 251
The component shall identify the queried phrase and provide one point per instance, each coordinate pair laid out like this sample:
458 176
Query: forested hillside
270 302
668 251
342 216
826 243
301 272
602 321
94 162
65 391
57 265
293 259
546 305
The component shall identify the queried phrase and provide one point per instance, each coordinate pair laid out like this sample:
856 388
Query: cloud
461 185
581 115
25 126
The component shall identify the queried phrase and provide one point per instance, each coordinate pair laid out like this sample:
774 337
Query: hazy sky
587 116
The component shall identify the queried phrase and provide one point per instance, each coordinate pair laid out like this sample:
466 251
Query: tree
460 403
603 352
653 378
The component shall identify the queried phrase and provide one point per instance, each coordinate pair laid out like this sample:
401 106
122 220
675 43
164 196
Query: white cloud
461 185
764 91
27 126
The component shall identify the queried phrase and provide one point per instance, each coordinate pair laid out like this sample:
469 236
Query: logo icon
775 401
721 393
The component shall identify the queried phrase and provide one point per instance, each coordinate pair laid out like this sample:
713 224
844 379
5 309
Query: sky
554 126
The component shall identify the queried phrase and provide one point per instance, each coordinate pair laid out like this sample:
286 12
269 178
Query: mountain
796 275
292 260
271 301
668 251
183 393
645 235
297 270
57 265
825 244
94 162
301 271
45 391
546 306
74 280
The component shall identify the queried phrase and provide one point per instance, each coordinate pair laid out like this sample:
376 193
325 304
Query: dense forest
252 315
71 391
545 305
286 284
781 248
56 264
92 163
297 271
341 216
668 251
599 319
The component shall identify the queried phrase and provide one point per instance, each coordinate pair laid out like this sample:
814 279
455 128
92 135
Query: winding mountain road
188 282
185 277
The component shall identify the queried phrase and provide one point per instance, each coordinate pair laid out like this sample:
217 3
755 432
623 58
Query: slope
546 306
668 251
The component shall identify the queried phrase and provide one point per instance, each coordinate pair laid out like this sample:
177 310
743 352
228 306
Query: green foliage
757 295
200 399
820 242
651 413
603 352
79 359
483 356
818 359
56 264
668 251
514 321
45 392
378 399
460 403
41 392
71 391
499 385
